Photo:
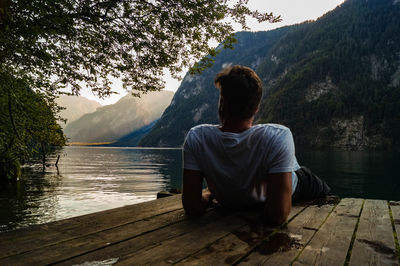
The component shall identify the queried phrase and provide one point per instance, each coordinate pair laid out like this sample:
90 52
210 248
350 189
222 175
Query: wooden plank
31 238
237 243
173 250
283 247
213 221
330 244
82 245
157 236
395 206
374 242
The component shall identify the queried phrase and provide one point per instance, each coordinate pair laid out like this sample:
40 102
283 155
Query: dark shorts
309 186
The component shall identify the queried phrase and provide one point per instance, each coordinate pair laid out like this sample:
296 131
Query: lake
90 179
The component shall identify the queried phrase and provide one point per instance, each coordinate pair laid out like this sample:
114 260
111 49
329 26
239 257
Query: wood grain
175 249
34 237
152 240
374 243
395 206
237 243
290 241
88 243
330 244
158 232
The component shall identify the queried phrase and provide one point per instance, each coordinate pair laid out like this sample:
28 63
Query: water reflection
91 179
88 179
29 201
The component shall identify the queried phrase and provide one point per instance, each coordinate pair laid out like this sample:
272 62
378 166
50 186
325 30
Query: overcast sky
291 11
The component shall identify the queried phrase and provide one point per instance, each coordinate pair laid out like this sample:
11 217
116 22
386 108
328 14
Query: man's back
234 163
242 163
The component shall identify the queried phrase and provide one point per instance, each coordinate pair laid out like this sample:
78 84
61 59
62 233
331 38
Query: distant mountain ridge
335 82
111 122
75 107
132 139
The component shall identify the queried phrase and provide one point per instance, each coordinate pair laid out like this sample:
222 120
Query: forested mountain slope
335 82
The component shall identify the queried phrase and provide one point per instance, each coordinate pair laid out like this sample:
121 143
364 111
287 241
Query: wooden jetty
331 231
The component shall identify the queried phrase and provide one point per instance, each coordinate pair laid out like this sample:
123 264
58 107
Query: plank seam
396 239
353 237
266 238
78 219
94 232
212 243
130 238
205 246
316 231
242 225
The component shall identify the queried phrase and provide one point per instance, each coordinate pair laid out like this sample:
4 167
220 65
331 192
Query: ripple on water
88 180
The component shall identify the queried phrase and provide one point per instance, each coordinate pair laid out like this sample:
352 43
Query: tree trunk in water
44 157
58 158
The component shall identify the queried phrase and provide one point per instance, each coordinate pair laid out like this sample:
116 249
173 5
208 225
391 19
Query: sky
291 12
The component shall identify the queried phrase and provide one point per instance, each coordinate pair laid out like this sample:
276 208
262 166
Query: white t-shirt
232 163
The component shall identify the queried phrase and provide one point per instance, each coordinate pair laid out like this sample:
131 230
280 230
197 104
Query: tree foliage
49 45
59 43
28 125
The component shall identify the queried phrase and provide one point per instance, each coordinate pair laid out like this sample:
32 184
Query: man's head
240 92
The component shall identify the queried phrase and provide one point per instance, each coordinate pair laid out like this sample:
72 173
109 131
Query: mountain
196 100
111 122
76 106
335 81
132 139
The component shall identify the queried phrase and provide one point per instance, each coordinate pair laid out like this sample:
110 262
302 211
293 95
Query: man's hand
279 198
194 200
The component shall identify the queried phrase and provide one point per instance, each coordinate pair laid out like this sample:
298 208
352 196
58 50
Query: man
244 164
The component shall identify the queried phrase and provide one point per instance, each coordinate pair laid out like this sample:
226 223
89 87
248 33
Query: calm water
91 179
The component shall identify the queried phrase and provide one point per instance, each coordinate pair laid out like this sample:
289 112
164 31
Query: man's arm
194 200
279 198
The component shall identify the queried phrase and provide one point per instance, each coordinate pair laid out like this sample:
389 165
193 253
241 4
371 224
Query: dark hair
241 90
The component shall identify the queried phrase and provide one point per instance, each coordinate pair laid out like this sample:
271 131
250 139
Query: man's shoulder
272 126
272 135
203 128
271 129
198 132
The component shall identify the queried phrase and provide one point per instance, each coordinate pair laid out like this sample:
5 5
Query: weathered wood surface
51 233
395 208
236 243
325 232
374 242
331 243
291 240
